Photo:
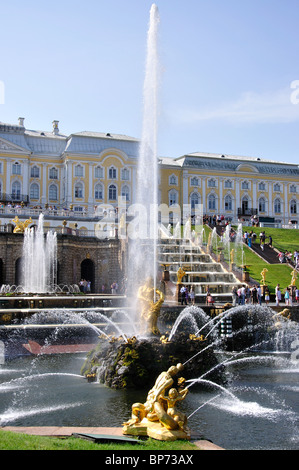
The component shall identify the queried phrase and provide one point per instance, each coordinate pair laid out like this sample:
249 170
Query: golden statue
263 274
180 274
158 416
21 226
150 311
281 317
294 277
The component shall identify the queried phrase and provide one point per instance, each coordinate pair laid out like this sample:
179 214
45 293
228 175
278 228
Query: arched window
173 180
79 170
112 192
262 205
172 197
112 173
16 168
293 206
194 181
194 200
228 203
125 193
262 186
99 172
277 206
125 174
53 192
34 173
16 190
79 190
53 173
34 191
98 191
212 202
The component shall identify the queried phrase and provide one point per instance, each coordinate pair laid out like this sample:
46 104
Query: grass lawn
283 239
18 441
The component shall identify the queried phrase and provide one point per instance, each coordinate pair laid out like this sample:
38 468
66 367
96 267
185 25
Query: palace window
262 186
34 172
194 181
293 206
79 170
16 169
228 184
173 180
276 187
79 190
194 200
34 191
53 192
16 190
172 197
228 203
245 185
112 192
262 205
125 174
293 188
277 206
53 173
112 173
98 191
212 183
99 172
212 202
125 193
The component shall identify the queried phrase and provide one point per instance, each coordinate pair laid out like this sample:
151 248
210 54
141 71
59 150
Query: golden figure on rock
150 310
158 417
21 226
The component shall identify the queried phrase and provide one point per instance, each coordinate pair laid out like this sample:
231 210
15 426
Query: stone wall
101 259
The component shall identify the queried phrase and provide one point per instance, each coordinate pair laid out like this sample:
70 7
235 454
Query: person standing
277 295
267 295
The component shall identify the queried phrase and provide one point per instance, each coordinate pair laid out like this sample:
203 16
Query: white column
8 175
185 187
286 205
238 202
204 197
221 205
254 200
44 185
90 186
270 208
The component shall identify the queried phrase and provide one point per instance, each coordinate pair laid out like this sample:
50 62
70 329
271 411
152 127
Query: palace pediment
8 147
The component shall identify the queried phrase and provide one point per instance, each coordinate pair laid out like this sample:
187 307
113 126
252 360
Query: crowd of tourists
256 295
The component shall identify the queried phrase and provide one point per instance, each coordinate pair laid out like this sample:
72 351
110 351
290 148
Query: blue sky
227 69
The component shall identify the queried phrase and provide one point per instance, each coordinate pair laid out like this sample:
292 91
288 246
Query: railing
242 211
14 197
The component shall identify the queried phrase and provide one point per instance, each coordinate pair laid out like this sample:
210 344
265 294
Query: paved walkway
61 431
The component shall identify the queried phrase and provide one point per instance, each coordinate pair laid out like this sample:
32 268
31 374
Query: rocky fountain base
136 363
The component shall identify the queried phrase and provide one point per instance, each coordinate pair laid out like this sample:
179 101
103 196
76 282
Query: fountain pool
261 413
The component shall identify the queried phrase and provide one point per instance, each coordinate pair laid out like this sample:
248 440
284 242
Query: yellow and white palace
42 170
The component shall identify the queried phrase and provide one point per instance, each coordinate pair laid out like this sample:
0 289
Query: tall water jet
39 265
145 244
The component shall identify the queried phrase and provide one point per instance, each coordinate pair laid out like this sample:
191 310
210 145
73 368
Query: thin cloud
251 107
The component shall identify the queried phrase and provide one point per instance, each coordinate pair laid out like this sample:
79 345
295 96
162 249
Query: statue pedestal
156 431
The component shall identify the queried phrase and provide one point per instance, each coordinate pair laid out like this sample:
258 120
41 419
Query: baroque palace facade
59 173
